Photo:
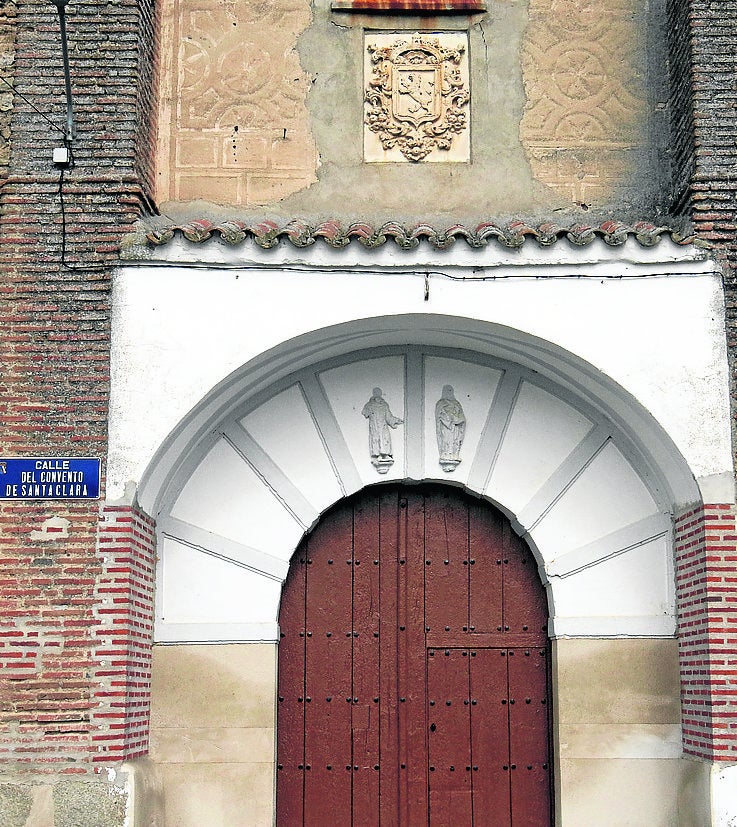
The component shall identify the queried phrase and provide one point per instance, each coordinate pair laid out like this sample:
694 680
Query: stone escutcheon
416 99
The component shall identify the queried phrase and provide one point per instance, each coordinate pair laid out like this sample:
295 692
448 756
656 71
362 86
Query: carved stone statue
380 419
450 426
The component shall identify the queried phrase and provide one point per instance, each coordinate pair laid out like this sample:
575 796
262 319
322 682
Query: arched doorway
413 668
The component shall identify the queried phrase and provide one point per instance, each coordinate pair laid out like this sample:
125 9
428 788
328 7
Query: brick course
75 638
704 116
681 106
713 40
122 657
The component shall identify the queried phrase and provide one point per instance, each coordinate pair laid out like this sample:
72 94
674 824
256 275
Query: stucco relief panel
585 99
234 123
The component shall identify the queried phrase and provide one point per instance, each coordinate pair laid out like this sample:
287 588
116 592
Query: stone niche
264 108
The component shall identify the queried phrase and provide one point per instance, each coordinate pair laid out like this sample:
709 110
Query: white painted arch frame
232 499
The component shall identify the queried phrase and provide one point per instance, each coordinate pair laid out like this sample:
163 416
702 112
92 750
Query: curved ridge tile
301 233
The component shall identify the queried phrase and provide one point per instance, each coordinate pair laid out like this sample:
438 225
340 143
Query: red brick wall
46 613
706 577
59 241
713 39
680 105
75 637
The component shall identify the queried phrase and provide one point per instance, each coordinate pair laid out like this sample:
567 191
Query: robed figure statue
380 419
450 427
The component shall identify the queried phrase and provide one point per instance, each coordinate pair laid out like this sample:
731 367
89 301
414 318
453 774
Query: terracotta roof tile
267 234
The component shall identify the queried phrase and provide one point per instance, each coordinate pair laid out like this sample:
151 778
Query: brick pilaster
75 641
60 237
122 658
712 28
706 577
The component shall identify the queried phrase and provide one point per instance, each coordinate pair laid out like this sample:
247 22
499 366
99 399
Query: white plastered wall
593 396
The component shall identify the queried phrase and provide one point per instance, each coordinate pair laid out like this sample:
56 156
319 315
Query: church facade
403 333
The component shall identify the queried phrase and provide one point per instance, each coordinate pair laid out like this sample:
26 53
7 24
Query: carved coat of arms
416 98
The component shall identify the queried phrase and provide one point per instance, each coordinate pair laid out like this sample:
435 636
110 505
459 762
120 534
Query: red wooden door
413 669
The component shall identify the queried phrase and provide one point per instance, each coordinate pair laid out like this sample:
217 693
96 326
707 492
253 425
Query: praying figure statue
450 426
380 419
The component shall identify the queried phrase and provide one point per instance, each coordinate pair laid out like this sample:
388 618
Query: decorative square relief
233 124
583 65
416 97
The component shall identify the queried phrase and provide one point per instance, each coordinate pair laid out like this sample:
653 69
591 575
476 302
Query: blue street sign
49 478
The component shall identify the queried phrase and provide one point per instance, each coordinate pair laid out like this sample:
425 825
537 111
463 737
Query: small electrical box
62 156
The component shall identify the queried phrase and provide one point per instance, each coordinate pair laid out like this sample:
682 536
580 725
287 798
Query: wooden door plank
446 563
449 751
525 601
290 710
490 738
388 632
328 697
486 557
529 742
412 685
366 683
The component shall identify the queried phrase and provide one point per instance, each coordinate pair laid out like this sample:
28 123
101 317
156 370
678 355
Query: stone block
295 151
89 804
203 687
601 681
196 151
16 801
221 189
244 151
266 189
636 793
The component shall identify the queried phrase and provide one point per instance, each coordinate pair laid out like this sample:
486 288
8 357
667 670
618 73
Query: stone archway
584 475
579 487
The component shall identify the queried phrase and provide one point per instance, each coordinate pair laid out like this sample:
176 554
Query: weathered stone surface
584 119
566 114
7 57
15 804
63 804
86 804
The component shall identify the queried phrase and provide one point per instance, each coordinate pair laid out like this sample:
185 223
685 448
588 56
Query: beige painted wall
617 736
212 733
616 729
261 109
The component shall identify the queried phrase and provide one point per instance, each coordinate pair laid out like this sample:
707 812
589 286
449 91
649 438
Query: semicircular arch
586 475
